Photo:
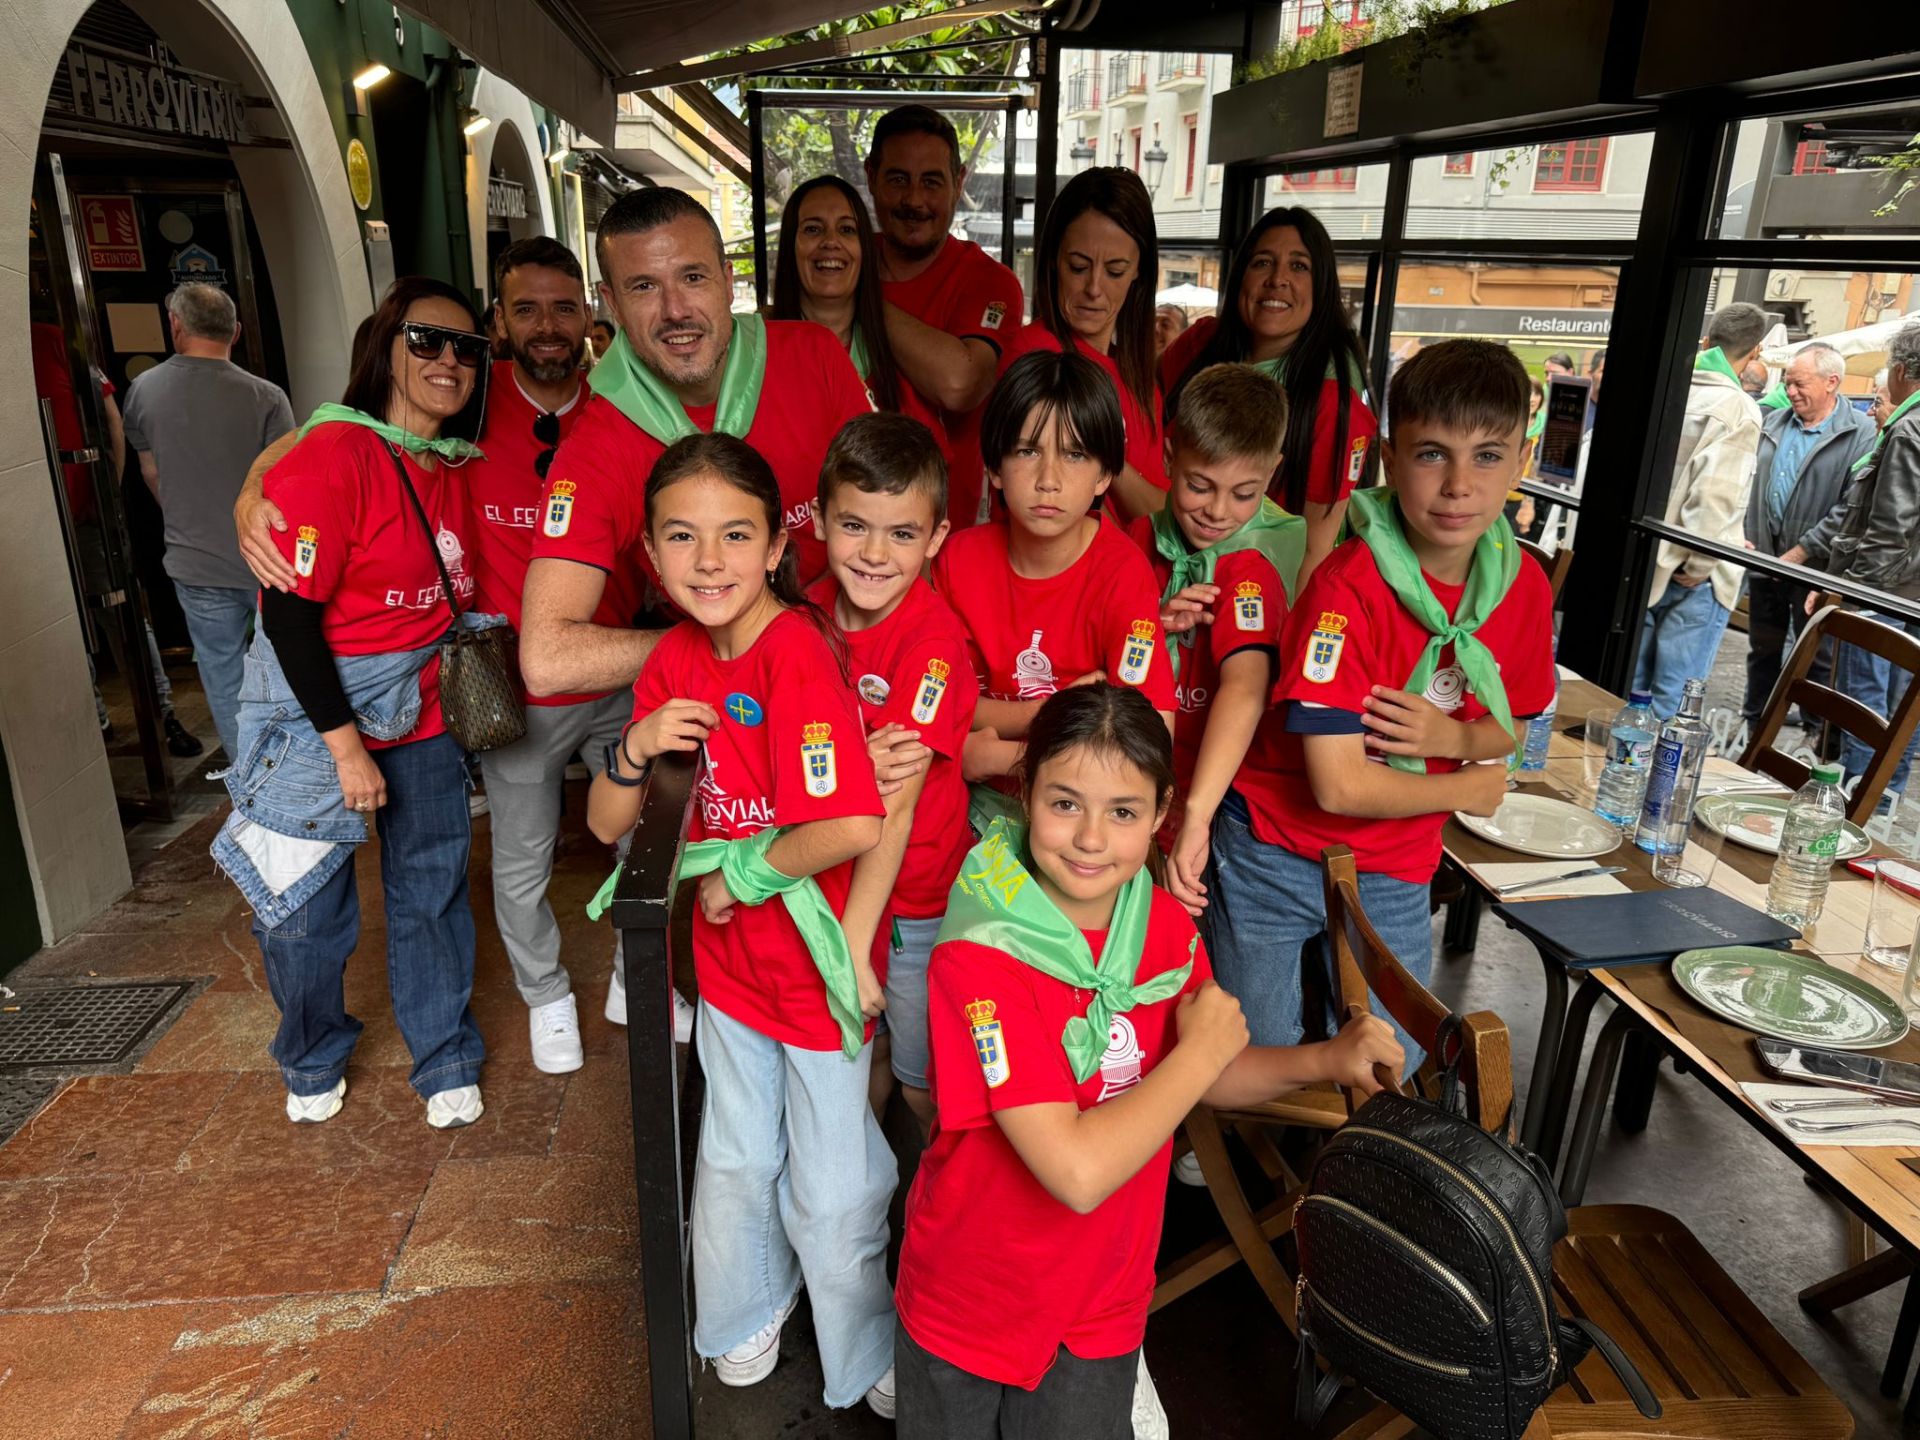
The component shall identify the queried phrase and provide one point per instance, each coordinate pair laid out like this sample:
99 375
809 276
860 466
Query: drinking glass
1893 914
1693 864
1599 738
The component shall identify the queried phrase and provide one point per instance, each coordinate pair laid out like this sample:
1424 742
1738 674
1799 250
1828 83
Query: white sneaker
312 1109
477 804
555 1030
1187 1171
451 1109
617 999
682 1020
753 1359
880 1395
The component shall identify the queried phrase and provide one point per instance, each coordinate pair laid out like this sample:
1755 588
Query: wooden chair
1716 1364
1555 562
1887 738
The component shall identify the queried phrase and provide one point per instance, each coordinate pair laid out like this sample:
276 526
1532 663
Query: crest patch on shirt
559 509
1136 656
993 315
816 752
306 550
988 1043
1356 461
1249 606
1329 638
874 689
933 689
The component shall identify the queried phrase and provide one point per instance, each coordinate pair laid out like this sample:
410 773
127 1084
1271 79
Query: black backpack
1426 1271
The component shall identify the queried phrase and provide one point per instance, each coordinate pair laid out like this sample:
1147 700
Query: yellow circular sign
359 174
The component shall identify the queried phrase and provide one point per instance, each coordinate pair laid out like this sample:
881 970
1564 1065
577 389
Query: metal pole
1046 150
1009 176
756 158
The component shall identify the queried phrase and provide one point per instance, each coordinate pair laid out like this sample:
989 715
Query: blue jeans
1268 908
424 834
1678 641
1877 684
906 1012
792 1180
219 622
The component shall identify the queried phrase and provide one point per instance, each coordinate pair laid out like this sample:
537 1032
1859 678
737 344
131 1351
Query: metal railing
1083 91
1181 65
1126 75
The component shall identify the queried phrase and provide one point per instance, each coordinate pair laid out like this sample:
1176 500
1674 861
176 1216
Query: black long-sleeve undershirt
293 625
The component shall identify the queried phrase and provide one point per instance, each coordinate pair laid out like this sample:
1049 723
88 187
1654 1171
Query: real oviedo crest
306 550
1323 647
816 751
1136 656
933 689
988 1043
1249 607
559 509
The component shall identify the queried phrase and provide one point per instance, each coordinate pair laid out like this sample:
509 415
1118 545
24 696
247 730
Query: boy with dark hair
882 514
1414 654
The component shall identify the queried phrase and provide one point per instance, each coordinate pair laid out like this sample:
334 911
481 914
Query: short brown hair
886 454
1230 411
1476 385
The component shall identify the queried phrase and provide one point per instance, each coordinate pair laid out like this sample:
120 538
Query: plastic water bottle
1623 784
1533 746
1678 755
1797 889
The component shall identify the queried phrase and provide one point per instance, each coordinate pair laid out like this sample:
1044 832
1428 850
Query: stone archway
510 145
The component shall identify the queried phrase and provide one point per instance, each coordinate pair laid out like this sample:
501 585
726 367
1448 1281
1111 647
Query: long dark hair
1120 197
869 306
1327 345
741 466
370 386
1114 720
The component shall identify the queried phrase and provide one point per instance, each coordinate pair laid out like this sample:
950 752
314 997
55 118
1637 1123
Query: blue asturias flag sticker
744 709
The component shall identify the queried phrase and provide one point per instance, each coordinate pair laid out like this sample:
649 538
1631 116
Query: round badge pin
744 709
874 689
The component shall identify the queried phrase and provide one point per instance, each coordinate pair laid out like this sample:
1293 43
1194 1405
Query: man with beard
949 303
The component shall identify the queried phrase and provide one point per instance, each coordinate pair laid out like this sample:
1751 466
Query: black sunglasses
546 431
425 342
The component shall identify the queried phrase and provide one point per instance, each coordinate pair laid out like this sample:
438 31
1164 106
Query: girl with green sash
793 1175
1074 1023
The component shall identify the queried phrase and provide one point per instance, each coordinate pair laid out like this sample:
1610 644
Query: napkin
1494 876
1870 1107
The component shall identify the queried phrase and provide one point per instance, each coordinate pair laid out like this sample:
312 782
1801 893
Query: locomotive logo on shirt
306 550
1448 688
1249 606
988 1042
1120 1065
452 554
744 709
1356 461
1033 671
874 689
816 750
1136 656
559 509
933 688
724 812
995 313
1329 638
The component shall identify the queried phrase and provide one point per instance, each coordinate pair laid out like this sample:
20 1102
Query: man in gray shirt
197 422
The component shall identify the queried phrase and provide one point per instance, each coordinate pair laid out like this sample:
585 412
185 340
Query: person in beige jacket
1694 593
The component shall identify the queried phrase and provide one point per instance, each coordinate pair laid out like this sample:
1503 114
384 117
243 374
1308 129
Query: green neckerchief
640 395
1281 537
754 881
1775 398
1715 359
1865 462
447 447
1536 425
996 902
1496 560
858 353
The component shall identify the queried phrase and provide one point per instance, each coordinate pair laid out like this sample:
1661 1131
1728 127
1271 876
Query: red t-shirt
1251 613
995 1274
1349 632
1145 452
505 492
912 669
357 547
972 296
1029 638
1331 477
789 750
599 518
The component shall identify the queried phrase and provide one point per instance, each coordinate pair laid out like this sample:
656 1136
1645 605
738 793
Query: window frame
1570 162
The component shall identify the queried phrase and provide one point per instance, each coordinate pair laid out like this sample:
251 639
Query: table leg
1900 1354
1546 1054
1462 929
1639 1070
1593 1105
1573 1040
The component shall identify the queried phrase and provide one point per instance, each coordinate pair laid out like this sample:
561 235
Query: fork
1859 1102
1834 1127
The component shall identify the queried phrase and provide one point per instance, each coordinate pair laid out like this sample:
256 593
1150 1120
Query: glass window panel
1834 175
1587 189
1349 200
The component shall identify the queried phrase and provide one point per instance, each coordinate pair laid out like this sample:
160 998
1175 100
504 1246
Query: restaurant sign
129 92
1589 326
506 199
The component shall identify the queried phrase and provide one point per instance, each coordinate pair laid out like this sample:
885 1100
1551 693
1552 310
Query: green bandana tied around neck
858 353
1496 561
643 397
1715 359
996 902
1281 537
751 878
1865 462
447 447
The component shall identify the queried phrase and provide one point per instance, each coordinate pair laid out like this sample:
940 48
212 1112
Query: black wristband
612 771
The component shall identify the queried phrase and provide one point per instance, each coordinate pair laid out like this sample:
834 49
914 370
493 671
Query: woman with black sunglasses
340 719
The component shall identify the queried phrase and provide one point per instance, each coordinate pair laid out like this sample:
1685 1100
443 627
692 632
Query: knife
1589 871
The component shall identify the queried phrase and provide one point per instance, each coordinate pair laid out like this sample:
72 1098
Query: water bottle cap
1640 697
1827 774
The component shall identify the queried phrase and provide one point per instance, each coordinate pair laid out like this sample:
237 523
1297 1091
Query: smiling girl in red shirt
793 1175
1074 1024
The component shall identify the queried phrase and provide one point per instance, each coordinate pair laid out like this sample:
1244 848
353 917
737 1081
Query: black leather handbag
1426 1271
479 688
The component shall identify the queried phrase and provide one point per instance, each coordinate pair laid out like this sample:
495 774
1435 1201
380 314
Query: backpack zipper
1458 1372
1473 1188
1400 1242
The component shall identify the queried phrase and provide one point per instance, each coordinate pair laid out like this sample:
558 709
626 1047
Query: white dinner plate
1540 825
1758 821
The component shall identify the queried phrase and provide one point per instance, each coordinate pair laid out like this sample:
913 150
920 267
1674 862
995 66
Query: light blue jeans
1678 641
1877 684
220 624
792 1182
906 1012
1267 908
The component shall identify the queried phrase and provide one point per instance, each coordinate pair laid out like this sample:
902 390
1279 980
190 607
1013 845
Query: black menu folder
1643 926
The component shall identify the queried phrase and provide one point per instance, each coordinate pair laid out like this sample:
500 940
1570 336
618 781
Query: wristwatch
615 750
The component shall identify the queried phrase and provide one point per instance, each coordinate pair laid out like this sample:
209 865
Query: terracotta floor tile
597 1118
523 1361
499 1222
52 1392
165 1236
228 953
113 1125
149 909
218 1032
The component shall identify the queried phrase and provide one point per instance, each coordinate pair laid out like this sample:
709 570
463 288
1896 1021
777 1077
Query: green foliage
1432 22
1905 166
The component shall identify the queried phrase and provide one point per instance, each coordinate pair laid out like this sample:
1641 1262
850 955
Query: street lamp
1116 149
1156 164
1081 154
